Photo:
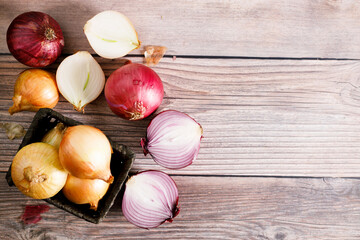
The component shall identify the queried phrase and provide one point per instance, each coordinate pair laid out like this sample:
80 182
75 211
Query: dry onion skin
36 171
153 54
85 152
13 130
34 89
85 191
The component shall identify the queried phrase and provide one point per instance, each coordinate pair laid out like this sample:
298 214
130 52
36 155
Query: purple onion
35 39
173 139
150 199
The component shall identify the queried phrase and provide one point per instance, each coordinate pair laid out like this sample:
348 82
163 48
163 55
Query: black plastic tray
121 163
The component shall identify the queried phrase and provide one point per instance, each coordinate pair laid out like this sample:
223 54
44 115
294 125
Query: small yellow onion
83 191
54 136
85 152
34 89
36 171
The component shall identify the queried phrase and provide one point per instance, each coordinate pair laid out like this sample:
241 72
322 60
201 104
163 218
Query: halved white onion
111 34
80 79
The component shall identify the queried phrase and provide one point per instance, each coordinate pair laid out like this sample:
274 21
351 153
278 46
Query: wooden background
275 85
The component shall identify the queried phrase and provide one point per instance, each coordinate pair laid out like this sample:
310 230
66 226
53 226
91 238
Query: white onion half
111 34
80 79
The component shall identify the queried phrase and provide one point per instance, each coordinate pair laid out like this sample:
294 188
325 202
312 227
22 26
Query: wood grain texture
212 208
257 28
260 117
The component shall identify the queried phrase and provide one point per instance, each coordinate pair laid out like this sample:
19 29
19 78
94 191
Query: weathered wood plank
258 28
260 117
213 208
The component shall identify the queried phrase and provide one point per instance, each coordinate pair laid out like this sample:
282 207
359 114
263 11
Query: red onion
35 39
150 199
173 139
134 91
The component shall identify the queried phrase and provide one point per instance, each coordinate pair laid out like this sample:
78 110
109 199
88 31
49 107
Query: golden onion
85 152
82 191
34 89
36 171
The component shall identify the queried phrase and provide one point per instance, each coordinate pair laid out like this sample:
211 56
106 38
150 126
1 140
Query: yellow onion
36 171
34 89
54 136
82 191
85 152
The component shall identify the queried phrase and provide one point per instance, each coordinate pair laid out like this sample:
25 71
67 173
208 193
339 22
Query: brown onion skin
35 39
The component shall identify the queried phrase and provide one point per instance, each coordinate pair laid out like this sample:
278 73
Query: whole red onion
134 91
35 39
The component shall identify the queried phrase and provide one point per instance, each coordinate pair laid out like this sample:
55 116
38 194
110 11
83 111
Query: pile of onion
77 159
74 159
85 153
81 190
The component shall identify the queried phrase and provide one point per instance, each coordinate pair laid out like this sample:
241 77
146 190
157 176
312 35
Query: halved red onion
173 139
150 199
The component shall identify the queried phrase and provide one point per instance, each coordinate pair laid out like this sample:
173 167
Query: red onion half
150 199
173 139
35 39
134 91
